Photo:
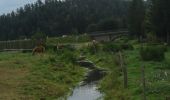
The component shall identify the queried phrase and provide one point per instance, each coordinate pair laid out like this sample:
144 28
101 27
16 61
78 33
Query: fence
17 45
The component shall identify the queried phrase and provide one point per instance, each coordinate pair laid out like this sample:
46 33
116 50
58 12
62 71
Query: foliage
108 24
151 37
92 28
115 47
153 52
105 25
136 17
58 17
39 38
160 17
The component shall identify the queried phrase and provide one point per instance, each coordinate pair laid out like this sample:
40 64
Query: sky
7 6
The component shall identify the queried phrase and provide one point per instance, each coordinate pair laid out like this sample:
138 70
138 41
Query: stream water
87 90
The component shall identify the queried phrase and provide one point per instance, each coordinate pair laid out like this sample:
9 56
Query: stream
87 89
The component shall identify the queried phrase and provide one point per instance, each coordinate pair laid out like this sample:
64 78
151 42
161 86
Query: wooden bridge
107 35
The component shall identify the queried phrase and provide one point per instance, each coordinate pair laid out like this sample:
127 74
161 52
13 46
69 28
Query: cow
38 50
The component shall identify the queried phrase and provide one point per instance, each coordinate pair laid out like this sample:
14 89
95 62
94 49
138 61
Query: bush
153 53
127 47
111 47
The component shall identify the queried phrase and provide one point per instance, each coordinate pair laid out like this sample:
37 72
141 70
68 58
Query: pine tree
136 17
160 18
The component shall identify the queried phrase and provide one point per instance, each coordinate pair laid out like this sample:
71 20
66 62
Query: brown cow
38 50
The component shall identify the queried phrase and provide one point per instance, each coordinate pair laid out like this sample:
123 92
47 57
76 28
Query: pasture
54 74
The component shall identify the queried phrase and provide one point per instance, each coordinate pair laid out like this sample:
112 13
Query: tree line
151 17
58 17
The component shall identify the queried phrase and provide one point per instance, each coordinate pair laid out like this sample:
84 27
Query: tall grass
50 76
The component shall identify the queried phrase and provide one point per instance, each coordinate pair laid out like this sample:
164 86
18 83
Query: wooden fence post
143 82
124 70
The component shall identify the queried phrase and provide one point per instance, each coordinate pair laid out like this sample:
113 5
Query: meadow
54 74
46 76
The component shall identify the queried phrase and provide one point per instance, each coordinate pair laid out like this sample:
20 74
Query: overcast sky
7 6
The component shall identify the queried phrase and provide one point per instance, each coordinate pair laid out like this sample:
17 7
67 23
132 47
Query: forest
55 18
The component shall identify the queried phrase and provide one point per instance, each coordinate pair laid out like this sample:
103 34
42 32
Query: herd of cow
40 49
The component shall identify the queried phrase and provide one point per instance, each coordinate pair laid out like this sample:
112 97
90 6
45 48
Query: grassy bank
48 76
53 74
157 73
157 76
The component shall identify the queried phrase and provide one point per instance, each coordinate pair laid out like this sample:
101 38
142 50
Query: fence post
143 82
124 69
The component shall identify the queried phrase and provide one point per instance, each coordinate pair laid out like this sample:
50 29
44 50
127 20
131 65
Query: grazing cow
38 50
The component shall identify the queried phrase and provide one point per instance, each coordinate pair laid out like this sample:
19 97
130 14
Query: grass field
53 74
23 76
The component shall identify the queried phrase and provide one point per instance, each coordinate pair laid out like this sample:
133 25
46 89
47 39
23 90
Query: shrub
127 47
111 47
116 47
153 53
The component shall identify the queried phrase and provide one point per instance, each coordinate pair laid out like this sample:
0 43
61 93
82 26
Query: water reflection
87 90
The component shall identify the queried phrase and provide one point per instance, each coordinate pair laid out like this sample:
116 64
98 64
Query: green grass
111 85
52 75
155 77
157 83
36 77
